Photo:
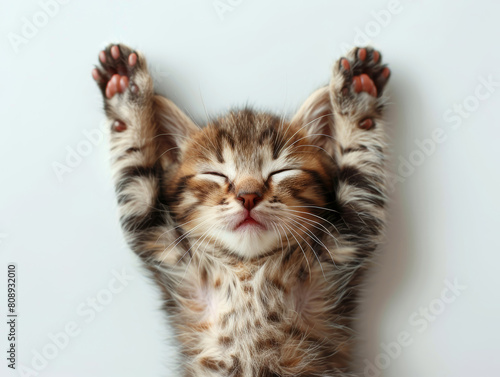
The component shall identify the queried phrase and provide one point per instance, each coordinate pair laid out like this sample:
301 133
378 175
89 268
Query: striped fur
272 301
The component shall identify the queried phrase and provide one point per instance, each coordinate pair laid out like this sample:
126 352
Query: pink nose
249 200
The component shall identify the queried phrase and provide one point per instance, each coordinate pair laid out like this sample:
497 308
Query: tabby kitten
258 229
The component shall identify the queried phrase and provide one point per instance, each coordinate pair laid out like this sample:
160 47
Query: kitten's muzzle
249 201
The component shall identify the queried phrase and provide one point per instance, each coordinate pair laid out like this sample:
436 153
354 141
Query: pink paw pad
96 75
345 64
363 83
366 124
362 54
363 73
123 83
115 76
356 81
368 85
115 52
119 126
117 84
132 59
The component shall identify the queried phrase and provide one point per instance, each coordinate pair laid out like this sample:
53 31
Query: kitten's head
253 182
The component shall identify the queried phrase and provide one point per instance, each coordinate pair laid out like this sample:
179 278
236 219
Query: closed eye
280 171
278 175
215 173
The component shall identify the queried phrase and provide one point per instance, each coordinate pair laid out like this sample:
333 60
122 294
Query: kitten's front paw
122 72
360 79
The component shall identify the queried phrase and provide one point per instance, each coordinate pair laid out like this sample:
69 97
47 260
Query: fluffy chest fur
278 312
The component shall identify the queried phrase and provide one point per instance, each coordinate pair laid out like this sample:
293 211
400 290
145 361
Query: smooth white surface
65 238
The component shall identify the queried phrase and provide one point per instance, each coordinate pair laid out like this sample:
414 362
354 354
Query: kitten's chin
249 241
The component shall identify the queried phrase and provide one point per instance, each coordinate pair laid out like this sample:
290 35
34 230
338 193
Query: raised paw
117 72
363 71
360 79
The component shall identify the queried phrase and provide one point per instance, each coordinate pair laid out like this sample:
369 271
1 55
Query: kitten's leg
140 152
357 94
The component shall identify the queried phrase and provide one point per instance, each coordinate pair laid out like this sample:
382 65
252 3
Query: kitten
258 229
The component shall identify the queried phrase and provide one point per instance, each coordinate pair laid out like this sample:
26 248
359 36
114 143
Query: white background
64 235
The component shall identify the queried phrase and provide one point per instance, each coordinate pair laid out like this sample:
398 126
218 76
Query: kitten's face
250 183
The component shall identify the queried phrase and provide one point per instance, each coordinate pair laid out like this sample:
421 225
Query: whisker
305 137
193 255
208 243
168 150
312 214
180 240
286 236
183 136
176 227
280 237
325 230
317 240
311 248
317 146
206 114
300 246
301 128
323 208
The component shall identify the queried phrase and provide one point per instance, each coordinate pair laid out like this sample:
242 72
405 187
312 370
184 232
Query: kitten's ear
175 127
315 116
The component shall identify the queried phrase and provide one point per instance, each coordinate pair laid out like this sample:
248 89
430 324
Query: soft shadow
390 272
